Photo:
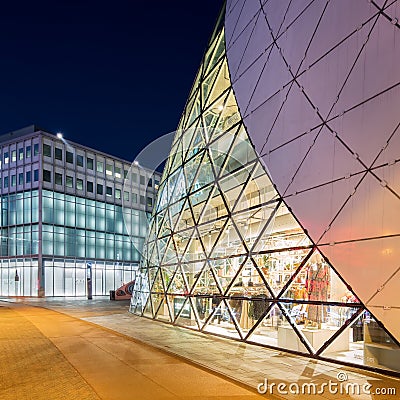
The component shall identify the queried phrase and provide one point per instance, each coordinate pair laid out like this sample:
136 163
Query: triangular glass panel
177 161
222 83
182 215
193 271
209 233
148 309
263 228
167 273
183 244
222 321
279 267
152 273
199 199
248 282
219 150
137 302
205 174
246 311
214 52
185 313
313 322
366 343
157 299
229 243
226 269
197 144
291 335
194 112
214 209
285 232
174 212
178 284
158 284
266 331
162 312
229 117
205 282
190 169
317 281
170 254
213 114
209 81
252 221
195 249
232 185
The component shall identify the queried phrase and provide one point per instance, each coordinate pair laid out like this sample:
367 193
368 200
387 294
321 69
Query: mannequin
318 285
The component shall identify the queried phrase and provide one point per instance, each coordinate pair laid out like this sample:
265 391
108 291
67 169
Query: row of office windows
100 165
21 153
19 208
71 242
11 181
19 240
90 186
77 212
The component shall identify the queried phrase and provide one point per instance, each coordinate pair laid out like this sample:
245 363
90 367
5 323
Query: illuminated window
79 184
6 157
118 194
69 181
109 169
28 152
20 154
117 172
14 156
100 166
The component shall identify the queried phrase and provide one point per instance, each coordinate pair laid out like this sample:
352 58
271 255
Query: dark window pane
69 157
46 175
58 178
58 153
89 187
46 150
79 160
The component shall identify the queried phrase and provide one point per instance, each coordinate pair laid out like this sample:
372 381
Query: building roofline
33 130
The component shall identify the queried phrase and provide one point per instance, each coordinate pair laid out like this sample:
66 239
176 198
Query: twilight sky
110 75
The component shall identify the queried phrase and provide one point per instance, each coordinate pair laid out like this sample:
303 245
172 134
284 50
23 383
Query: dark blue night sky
111 75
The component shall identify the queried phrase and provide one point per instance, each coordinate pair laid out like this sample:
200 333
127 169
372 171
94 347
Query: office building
277 220
63 207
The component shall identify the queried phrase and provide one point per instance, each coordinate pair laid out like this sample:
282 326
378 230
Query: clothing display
318 286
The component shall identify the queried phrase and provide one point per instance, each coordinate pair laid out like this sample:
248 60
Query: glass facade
225 255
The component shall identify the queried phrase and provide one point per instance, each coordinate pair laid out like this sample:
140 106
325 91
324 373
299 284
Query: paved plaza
75 348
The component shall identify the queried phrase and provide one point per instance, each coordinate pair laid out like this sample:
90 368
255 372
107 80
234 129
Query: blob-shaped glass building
277 221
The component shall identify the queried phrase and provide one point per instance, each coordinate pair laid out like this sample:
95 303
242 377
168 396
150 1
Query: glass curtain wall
224 255
77 230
